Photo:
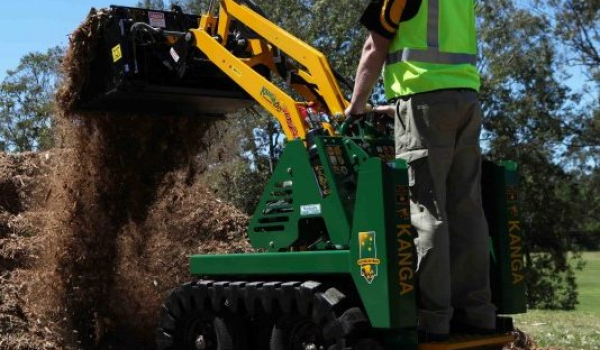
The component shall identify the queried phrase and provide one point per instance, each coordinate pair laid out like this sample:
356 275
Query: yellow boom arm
319 87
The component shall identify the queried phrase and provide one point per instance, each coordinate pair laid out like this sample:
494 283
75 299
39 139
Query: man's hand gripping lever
349 122
375 116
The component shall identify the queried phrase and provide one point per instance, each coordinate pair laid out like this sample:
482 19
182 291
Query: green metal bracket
301 193
382 245
501 202
313 263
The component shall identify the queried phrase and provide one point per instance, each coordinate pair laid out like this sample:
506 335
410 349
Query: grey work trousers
437 133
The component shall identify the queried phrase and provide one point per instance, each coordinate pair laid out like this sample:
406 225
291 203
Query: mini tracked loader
334 266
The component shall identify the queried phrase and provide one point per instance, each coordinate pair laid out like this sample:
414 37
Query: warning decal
156 19
116 53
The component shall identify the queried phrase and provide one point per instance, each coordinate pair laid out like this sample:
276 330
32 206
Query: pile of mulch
23 191
39 255
83 48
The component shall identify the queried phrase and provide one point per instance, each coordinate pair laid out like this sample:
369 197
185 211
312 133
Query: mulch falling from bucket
130 208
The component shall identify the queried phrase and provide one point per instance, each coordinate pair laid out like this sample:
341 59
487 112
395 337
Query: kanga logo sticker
368 261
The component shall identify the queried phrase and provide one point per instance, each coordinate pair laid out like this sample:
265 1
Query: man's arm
371 62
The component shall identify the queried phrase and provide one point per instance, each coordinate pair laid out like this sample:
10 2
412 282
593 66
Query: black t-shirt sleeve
384 16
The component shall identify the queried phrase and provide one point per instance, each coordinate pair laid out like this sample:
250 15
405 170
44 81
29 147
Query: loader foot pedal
469 341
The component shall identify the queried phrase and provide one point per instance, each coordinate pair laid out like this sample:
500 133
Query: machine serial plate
310 209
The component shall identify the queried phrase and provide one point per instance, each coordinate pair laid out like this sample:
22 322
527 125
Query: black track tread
217 294
353 320
164 340
333 329
252 295
234 294
205 283
184 296
326 306
199 296
172 304
287 294
304 295
334 297
167 321
269 296
321 309
225 337
189 296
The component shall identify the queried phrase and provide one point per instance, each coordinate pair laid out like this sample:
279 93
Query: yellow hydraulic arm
318 85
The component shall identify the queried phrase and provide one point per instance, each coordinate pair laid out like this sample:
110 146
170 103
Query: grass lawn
588 282
573 330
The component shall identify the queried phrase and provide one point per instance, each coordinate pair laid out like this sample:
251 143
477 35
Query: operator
427 50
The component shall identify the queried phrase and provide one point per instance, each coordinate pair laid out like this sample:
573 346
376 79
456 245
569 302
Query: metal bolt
200 343
310 346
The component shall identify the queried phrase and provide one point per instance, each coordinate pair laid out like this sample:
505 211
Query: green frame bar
325 262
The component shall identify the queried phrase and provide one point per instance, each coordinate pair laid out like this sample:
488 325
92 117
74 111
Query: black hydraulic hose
348 84
145 28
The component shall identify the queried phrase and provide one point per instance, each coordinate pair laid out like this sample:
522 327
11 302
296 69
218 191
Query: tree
576 23
331 26
27 102
152 4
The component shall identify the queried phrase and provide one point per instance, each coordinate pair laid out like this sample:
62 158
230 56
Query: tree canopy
27 102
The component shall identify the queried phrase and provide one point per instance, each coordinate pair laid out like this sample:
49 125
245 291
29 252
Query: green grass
573 330
588 282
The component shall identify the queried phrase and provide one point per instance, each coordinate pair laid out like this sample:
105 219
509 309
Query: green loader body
338 213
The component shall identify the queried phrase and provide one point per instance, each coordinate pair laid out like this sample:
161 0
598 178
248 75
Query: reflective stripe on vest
432 54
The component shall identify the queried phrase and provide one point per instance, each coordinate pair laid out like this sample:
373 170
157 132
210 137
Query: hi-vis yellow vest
436 49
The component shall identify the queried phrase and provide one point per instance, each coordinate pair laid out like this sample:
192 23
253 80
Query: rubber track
324 305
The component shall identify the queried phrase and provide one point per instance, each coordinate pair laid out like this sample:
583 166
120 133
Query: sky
37 25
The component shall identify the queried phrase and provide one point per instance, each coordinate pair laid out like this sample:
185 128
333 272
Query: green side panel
501 203
300 196
325 262
383 258
336 179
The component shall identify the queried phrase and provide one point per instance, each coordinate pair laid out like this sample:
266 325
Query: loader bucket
130 70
